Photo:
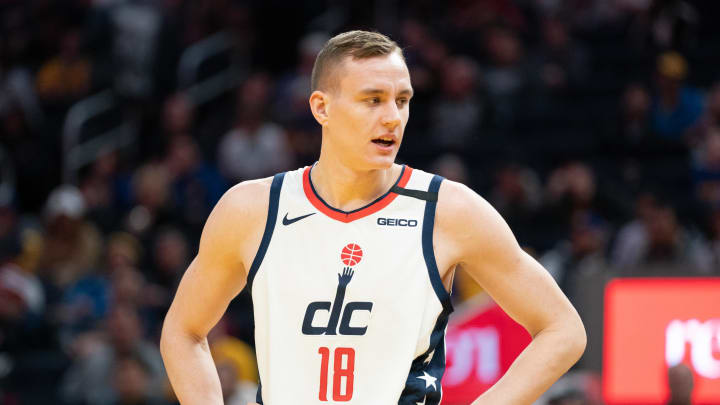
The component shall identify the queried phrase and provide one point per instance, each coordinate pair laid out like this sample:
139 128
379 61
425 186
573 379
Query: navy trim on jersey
419 194
260 255
416 389
427 246
269 227
258 396
361 208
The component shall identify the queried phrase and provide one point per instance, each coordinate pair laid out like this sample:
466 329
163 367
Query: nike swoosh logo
287 221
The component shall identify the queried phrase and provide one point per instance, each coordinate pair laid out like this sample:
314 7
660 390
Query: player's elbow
173 336
576 338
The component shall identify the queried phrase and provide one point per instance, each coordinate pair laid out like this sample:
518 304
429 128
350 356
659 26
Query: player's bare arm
471 234
228 245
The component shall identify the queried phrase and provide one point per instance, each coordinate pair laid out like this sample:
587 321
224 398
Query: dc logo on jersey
350 256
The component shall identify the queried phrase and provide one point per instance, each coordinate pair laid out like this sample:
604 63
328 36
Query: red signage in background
481 346
652 324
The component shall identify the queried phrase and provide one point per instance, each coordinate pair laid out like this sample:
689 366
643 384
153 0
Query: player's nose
391 116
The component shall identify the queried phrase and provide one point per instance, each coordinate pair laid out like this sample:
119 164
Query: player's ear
319 106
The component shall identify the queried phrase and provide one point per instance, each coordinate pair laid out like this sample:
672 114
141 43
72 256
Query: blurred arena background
593 126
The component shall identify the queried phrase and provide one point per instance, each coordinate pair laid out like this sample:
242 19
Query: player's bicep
202 297
517 282
524 289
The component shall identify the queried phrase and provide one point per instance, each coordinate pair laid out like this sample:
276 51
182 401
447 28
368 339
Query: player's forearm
551 353
190 368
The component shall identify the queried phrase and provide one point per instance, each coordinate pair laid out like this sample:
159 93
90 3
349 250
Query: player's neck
348 189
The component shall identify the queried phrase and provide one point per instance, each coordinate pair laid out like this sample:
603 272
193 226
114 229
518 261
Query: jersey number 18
341 353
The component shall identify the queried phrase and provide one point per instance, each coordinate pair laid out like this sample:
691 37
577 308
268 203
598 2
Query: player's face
368 111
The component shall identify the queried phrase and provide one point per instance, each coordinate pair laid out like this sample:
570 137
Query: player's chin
382 160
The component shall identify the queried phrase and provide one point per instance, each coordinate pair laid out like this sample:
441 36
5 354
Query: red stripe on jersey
346 217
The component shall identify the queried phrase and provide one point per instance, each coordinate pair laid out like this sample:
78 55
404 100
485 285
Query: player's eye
401 102
374 100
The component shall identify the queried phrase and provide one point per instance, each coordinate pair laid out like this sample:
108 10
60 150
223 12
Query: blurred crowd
592 126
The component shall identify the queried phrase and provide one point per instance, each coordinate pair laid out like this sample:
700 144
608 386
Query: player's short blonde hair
356 44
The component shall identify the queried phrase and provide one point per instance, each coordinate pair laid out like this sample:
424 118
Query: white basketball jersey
349 306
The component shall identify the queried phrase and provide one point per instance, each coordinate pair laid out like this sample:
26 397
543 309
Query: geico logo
397 222
703 338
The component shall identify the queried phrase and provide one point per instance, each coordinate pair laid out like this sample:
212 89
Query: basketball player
349 262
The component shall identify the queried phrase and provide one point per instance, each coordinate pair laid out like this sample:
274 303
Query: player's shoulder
249 188
455 197
245 200
459 206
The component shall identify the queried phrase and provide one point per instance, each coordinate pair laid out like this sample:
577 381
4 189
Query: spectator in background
712 117
130 51
90 379
570 188
656 243
293 89
255 147
17 89
562 61
517 195
667 24
104 191
706 169
178 119
634 119
122 250
632 236
196 185
469 17
22 297
66 77
459 113
151 192
516 191
680 383
424 54
130 288
628 142
452 167
70 260
506 75
583 251
170 258
675 106
710 120
131 382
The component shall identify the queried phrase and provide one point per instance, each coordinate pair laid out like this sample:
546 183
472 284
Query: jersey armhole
427 245
269 227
